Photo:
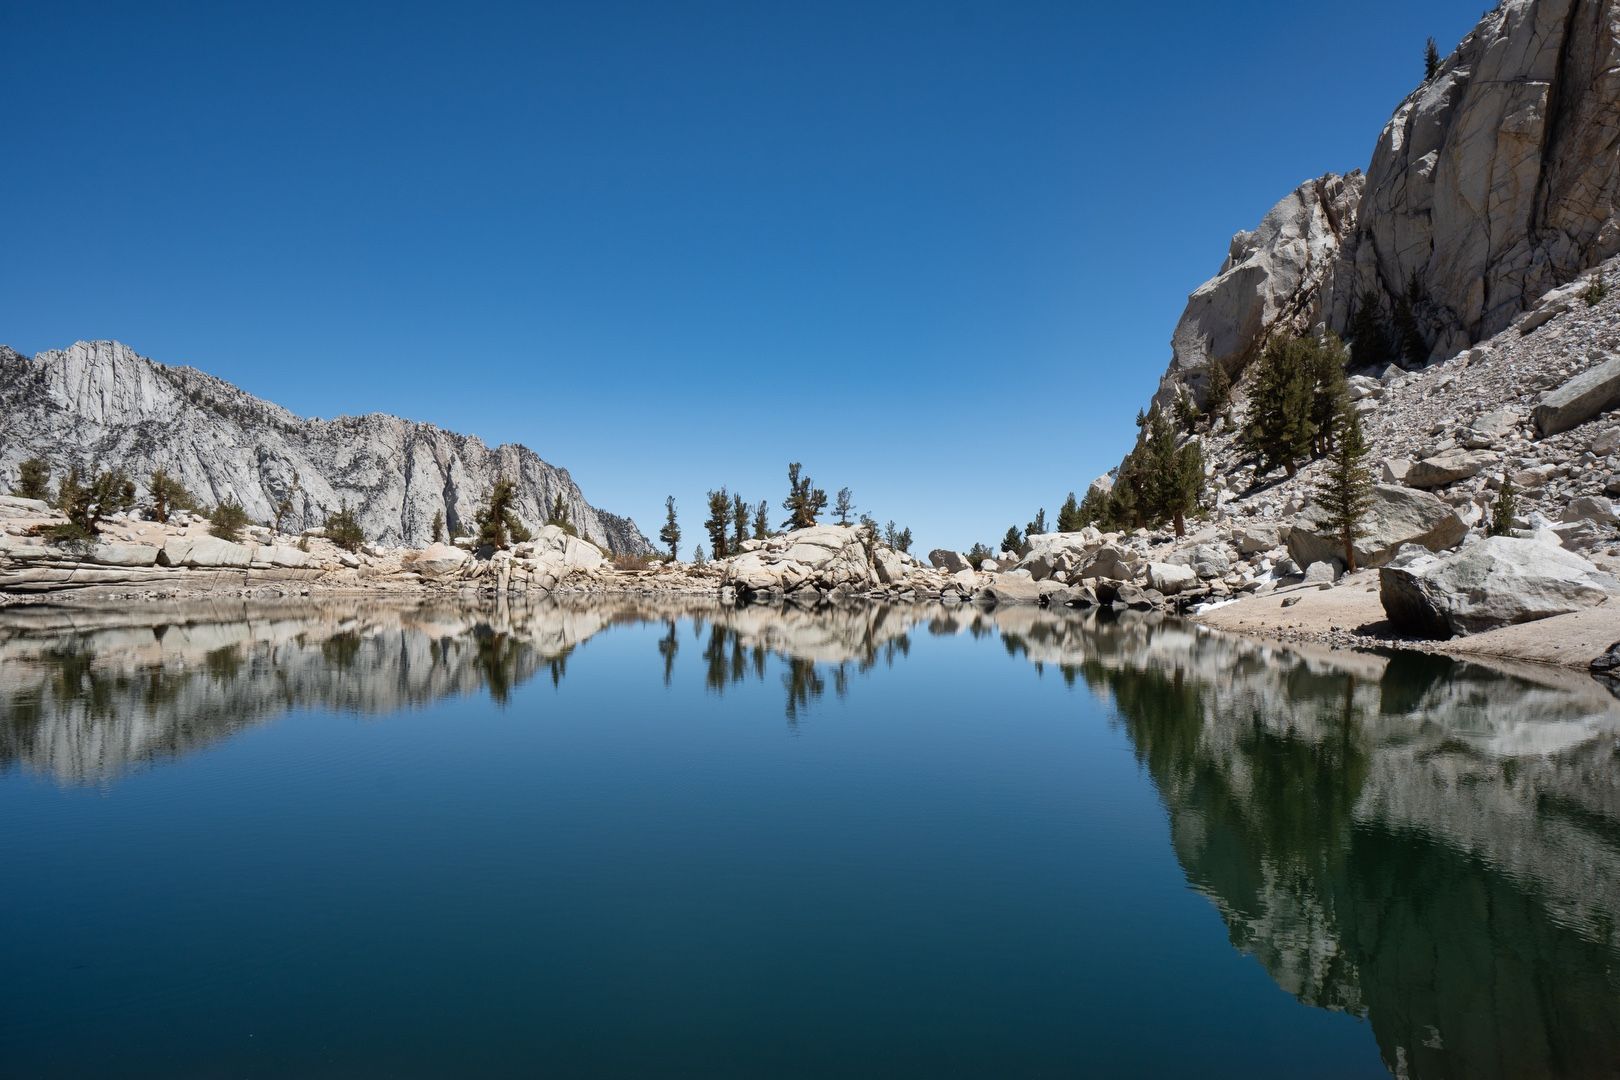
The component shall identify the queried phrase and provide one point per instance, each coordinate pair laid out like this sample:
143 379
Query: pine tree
1218 400
739 522
1413 350
228 520
1094 509
1505 510
498 525
1013 541
1369 337
697 556
343 528
718 521
891 533
438 526
1279 427
1175 475
902 540
86 504
977 554
168 495
1038 526
671 532
1431 60
844 505
804 502
1328 386
559 516
33 480
762 520
1345 490
284 507
1069 519
1187 414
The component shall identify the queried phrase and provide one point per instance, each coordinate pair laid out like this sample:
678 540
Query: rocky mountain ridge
100 403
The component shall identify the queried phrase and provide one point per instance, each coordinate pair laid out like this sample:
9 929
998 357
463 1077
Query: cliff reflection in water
1434 846
1431 845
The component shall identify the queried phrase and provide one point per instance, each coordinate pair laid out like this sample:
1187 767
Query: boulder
440 560
123 555
1252 539
1578 400
1171 578
1591 508
17 506
1011 588
1209 561
204 552
1499 581
951 562
1448 468
1397 516
1107 562
1322 573
1395 470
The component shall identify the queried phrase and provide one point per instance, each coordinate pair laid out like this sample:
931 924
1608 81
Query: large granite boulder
949 561
1009 589
439 560
1580 399
1499 581
1171 578
1447 468
1397 516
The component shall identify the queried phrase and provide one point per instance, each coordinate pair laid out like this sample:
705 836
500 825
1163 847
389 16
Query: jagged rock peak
99 403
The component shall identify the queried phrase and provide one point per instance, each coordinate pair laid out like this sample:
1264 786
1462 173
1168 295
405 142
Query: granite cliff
1494 182
98 403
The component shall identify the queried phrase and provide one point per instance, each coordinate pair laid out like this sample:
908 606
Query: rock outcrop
1497 179
99 403
1271 280
1498 581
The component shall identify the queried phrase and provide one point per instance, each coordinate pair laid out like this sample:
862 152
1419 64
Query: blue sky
934 251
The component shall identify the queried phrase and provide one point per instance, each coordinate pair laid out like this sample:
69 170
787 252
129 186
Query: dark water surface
641 839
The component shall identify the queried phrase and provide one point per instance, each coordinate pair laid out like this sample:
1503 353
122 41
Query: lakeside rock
1500 581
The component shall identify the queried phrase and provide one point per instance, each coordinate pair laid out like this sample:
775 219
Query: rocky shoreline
1232 578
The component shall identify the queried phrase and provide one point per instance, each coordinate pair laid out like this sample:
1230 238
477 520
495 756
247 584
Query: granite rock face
1496 180
1271 279
99 403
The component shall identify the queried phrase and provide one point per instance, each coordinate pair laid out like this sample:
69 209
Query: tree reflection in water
1432 846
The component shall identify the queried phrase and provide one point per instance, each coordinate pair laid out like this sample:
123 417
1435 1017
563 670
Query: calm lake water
630 839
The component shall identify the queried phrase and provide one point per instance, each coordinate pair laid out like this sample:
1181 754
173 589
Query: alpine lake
644 837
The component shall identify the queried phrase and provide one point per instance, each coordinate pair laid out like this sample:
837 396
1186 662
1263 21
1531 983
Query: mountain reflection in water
1431 845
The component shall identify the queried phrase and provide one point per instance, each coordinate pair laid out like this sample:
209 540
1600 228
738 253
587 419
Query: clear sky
934 250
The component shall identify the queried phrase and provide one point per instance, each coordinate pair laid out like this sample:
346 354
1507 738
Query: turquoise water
640 840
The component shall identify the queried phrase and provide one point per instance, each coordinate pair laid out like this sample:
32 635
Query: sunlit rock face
99 404
1494 181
